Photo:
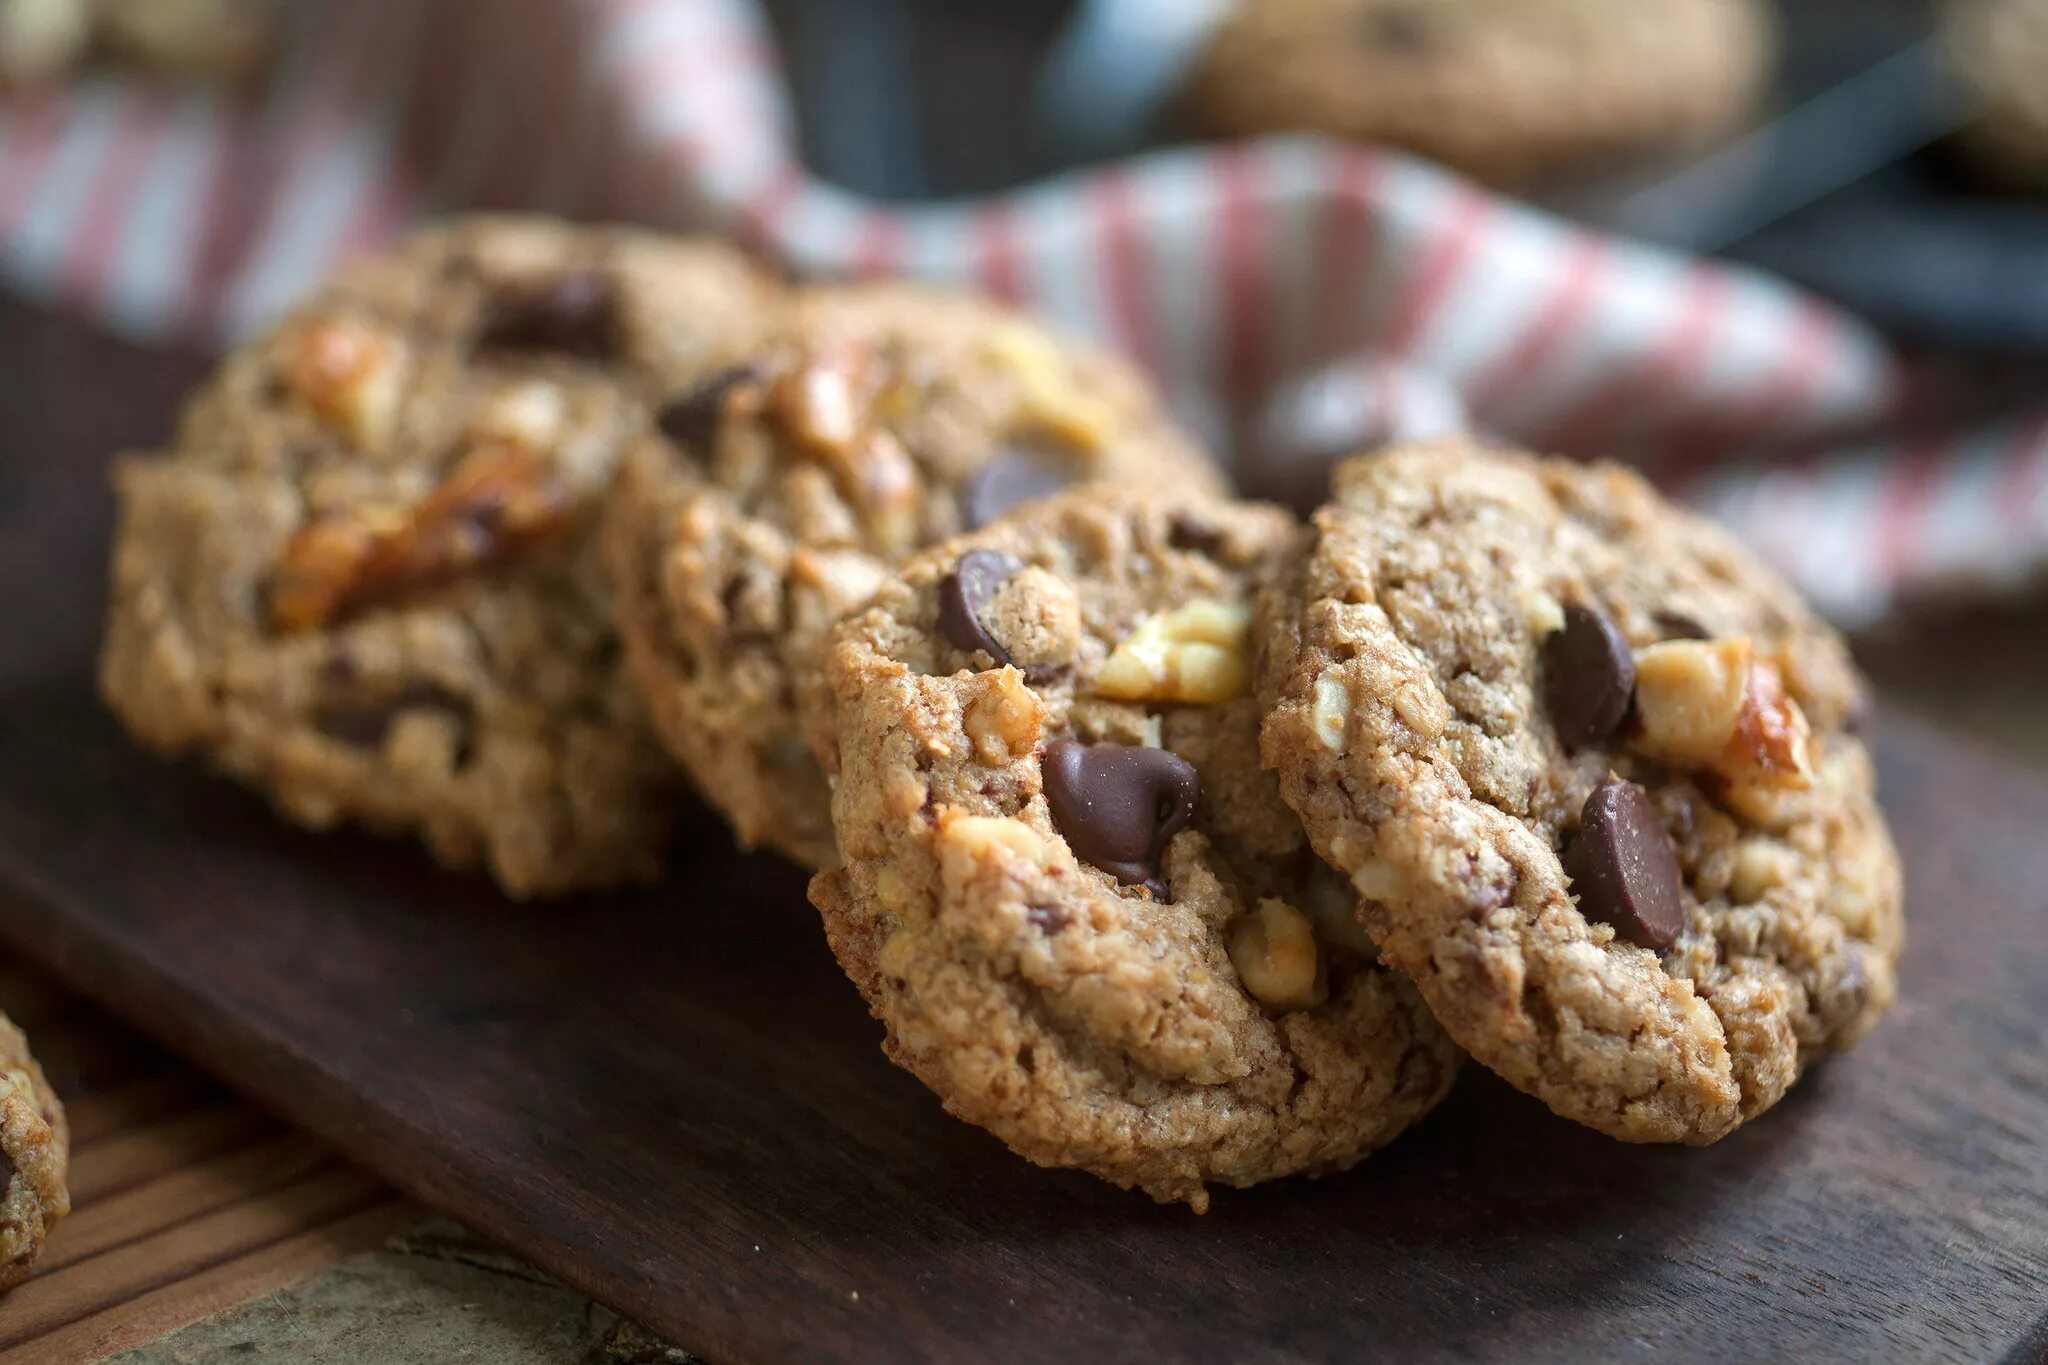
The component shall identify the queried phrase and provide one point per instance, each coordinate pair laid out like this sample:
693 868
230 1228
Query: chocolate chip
1196 536
965 591
6 1175
692 420
1048 919
1590 676
1395 28
1857 715
1676 625
366 725
574 315
1623 867
1118 806
1009 478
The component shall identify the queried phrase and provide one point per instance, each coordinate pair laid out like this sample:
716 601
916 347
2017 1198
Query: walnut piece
498 500
1714 705
1274 951
1005 720
350 375
1048 397
1195 653
1330 714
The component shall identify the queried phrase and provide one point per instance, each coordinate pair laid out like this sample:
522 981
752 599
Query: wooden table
188 1199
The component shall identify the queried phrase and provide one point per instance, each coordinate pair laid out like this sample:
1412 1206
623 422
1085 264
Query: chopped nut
529 415
1195 653
1422 709
1331 712
1713 704
1379 880
883 483
496 501
1048 397
968 843
1332 907
349 374
1274 951
822 404
1005 720
1546 614
1760 865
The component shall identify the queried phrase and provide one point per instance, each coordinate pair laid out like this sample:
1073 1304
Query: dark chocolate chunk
1676 625
6 1175
965 591
1118 806
1589 677
1402 29
1623 867
1010 478
575 315
366 725
692 419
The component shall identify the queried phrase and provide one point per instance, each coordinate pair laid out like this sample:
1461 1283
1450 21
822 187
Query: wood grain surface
185 1199
675 1102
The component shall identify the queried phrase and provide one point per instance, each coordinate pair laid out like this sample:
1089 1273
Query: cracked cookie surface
1510 91
1492 669
773 498
365 576
1079 907
35 1151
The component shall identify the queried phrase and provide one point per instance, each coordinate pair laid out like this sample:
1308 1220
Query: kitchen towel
1290 294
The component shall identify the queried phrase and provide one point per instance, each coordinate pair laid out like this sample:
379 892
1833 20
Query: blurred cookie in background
1998 50
1513 92
225 41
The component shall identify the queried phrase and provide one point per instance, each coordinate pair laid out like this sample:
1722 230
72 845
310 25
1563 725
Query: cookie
1076 902
35 1151
773 498
365 577
1510 91
1596 773
228 41
1997 49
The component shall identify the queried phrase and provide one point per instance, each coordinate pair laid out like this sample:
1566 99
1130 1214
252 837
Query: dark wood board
676 1103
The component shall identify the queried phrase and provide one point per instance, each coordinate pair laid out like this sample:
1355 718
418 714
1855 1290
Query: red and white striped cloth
1235 274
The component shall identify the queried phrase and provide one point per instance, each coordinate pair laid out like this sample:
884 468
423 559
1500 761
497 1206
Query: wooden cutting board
675 1102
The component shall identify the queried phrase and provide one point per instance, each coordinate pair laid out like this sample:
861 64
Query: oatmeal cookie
365 576
773 498
1596 776
1509 91
35 1150
1076 902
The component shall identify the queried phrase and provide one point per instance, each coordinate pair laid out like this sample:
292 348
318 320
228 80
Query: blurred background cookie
228 41
1999 51
1510 91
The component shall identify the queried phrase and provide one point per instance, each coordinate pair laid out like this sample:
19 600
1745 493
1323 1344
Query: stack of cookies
1170 838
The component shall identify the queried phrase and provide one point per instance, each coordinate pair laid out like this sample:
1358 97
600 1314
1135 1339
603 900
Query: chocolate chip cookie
1595 773
35 1151
774 496
365 576
1509 91
1071 895
229 41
